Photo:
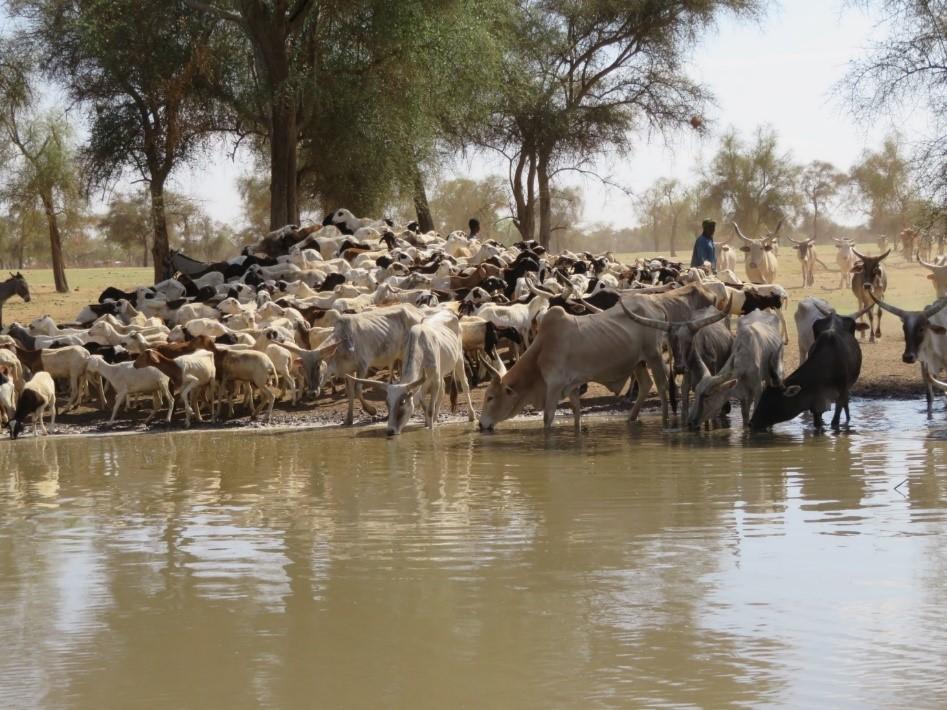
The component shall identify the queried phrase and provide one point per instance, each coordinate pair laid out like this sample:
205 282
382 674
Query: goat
38 395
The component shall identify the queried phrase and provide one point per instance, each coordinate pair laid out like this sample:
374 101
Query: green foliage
456 201
882 182
753 184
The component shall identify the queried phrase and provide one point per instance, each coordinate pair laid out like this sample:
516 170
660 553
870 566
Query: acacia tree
820 182
908 65
582 77
44 168
284 38
126 224
142 69
752 184
882 181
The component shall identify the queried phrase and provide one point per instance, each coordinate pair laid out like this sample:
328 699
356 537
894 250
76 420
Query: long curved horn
860 256
592 309
741 234
536 291
891 309
884 256
804 241
935 307
779 224
641 320
495 371
937 383
369 383
696 325
928 265
858 314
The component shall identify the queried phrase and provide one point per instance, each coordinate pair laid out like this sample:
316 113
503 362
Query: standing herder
704 246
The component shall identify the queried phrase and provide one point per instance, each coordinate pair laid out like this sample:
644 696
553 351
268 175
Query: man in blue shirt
704 246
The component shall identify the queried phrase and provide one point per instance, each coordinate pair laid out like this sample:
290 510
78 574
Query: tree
753 184
127 224
883 182
284 37
148 101
45 169
456 201
908 66
820 182
581 77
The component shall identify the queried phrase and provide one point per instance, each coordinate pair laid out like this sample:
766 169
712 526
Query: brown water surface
624 566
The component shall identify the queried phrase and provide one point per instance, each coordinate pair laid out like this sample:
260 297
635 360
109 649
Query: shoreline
89 423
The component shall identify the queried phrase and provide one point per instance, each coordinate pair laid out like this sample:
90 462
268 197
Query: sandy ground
883 374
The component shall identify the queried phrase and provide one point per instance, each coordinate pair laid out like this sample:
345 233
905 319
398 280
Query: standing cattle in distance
761 260
805 250
846 260
870 273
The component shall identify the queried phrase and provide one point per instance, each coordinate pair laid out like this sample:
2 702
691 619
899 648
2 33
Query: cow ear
792 391
930 277
728 385
768 248
857 269
939 329
744 248
862 326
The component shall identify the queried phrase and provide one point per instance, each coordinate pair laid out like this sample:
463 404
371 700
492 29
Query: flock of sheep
365 303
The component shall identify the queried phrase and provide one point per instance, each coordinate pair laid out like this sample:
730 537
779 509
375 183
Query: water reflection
616 565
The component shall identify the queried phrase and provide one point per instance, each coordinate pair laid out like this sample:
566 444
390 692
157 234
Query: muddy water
622 567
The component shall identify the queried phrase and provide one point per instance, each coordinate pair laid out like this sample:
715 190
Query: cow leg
840 404
643 379
660 376
553 395
782 324
880 313
461 378
817 419
685 396
926 377
575 402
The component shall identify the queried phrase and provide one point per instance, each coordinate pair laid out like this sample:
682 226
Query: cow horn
592 309
804 241
369 383
536 291
884 256
741 234
495 371
641 320
891 309
935 307
928 265
696 325
937 383
859 255
858 314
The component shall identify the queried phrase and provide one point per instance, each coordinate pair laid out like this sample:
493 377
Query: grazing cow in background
726 256
756 360
924 339
908 242
882 242
827 375
846 260
761 260
14 286
805 250
938 275
925 245
870 273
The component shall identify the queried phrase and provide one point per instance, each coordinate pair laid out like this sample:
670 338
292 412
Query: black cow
827 375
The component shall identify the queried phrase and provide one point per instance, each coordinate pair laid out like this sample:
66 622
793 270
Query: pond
623 565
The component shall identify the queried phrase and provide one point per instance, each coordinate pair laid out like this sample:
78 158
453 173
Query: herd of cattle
365 303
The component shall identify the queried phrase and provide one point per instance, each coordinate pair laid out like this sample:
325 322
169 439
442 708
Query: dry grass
85 286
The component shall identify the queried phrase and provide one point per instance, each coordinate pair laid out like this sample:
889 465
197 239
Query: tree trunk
144 251
655 236
279 161
421 206
160 248
674 235
524 193
55 244
815 221
545 201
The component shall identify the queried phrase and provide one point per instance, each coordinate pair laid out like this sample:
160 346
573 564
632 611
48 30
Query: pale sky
779 71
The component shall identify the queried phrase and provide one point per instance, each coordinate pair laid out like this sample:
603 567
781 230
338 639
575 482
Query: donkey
14 286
